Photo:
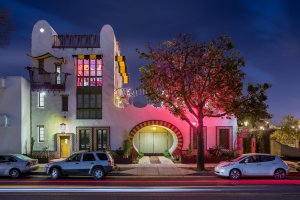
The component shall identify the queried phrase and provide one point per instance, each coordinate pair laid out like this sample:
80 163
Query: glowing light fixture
246 123
261 128
62 127
42 30
43 93
154 128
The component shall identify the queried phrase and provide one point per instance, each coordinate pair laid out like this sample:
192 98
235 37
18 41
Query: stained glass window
89 72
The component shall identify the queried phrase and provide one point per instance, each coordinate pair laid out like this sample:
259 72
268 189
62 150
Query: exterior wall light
42 30
246 123
62 127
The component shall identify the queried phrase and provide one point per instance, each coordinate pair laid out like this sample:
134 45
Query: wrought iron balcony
76 41
43 80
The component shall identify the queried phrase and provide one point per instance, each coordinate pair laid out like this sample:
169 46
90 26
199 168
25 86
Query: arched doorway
156 136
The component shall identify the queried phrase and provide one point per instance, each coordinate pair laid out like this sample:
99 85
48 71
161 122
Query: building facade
14 115
79 101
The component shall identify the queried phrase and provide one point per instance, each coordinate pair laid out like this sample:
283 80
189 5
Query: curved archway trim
141 125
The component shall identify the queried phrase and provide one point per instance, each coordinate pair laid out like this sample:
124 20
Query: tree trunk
200 144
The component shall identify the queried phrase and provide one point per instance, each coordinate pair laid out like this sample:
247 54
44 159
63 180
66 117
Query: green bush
167 154
141 154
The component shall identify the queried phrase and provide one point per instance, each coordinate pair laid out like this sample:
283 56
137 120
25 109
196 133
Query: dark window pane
267 158
224 138
92 101
65 103
79 101
86 100
98 101
84 139
102 156
75 158
100 139
88 157
104 135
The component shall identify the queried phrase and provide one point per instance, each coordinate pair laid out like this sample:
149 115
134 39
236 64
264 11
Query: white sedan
14 165
254 164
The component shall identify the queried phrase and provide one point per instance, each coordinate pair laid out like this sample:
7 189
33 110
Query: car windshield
22 157
238 159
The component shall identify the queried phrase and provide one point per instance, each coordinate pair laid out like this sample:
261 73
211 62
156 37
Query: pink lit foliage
195 80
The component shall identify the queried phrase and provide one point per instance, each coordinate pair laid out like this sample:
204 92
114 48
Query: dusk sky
266 32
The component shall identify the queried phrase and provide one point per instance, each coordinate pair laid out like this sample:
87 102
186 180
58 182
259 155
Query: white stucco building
14 115
79 100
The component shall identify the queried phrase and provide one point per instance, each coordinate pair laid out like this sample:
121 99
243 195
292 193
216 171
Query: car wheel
279 174
235 174
14 173
98 174
55 173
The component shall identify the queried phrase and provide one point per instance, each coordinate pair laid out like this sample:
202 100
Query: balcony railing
42 80
76 41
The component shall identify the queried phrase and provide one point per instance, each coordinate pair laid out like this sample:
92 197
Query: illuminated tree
289 131
197 80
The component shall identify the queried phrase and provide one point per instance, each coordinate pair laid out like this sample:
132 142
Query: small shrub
141 154
215 151
167 154
119 153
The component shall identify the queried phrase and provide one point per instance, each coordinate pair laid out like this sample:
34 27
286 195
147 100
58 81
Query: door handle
76 163
92 163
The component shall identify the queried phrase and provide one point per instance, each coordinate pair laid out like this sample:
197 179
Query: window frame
96 137
89 139
98 73
93 138
41 100
39 128
58 75
87 109
65 103
230 136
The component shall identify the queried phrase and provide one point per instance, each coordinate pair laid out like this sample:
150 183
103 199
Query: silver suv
96 164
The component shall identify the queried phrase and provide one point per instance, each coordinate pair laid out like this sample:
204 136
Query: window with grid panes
89 88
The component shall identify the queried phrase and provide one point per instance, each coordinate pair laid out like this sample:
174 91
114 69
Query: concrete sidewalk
165 168
145 168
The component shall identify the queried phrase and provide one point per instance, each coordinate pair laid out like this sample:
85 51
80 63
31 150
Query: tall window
64 103
84 139
58 74
89 106
41 133
89 72
89 87
102 138
93 138
41 99
224 137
